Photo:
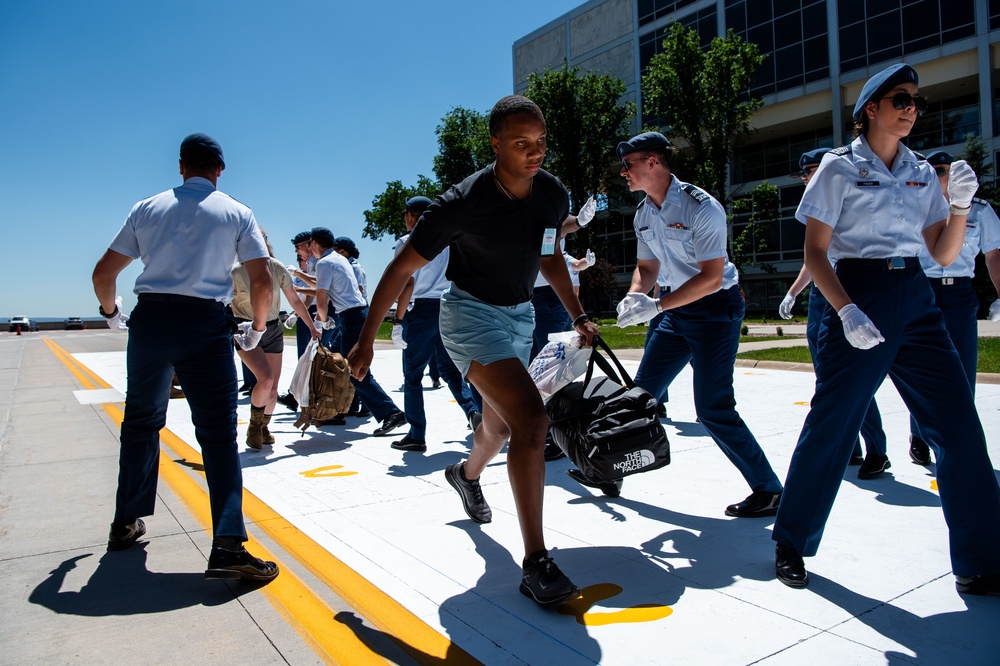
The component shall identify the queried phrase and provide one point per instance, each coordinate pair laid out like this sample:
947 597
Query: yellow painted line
420 640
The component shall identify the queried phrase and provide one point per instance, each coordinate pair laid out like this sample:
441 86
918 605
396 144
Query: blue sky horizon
316 106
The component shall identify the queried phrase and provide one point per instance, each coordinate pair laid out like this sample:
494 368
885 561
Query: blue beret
884 81
813 157
323 236
347 245
302 237
199 147
418 203
642 141
939 158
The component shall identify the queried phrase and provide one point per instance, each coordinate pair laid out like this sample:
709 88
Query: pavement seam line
415 636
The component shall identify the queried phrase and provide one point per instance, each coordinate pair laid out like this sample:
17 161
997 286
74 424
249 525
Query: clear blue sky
317 104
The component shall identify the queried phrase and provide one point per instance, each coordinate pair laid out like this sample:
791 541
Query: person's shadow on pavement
121 585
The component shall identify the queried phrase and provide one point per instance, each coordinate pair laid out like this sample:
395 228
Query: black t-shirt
495 241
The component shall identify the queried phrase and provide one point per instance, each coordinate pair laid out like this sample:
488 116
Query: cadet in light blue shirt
682 236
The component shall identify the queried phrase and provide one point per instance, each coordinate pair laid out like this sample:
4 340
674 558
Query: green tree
385 217
702 96
978 156
585 119
755 226
463 146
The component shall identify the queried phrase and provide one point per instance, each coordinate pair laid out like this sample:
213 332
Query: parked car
75 323
25 324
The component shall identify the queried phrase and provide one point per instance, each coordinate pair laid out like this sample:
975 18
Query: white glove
785 309
587 211
290 321
637 308
962 184
247 338
590 258
118 321
858 328
994 313
397 337
327 325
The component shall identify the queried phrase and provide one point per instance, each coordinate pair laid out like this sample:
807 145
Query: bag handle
595 357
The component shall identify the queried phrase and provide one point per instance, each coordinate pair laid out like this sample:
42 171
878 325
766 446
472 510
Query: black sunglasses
941 171
902 100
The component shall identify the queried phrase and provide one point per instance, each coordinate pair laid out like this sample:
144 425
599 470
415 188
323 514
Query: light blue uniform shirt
874 212
430 280
360 276
982 231
188 239
688 229
334 273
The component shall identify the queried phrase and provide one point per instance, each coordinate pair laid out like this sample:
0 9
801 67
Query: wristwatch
100 309
396 321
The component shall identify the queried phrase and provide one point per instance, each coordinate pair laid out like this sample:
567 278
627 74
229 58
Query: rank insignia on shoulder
981 202
843 150
698 195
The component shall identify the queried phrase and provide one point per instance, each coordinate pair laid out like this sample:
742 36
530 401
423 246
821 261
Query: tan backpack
330 389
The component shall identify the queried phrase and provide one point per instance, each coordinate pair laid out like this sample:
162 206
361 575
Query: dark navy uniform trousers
423 340
707 333
344 337
922 363
959 304
871 427
194 338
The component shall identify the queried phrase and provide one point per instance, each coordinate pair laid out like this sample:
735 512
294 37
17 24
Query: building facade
819 53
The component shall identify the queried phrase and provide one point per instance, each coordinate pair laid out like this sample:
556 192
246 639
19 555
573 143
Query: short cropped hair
511 106
663 154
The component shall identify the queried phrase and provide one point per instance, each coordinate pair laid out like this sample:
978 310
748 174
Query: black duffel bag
609 430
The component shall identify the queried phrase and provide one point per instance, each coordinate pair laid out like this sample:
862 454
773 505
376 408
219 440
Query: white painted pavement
668 577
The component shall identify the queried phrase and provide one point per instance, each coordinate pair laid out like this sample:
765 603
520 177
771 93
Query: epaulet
698 195
981 202
843 150
920 156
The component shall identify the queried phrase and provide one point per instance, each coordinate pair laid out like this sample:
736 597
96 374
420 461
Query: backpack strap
602 363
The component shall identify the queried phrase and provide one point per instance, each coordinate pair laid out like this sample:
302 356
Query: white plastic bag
559 362
299 388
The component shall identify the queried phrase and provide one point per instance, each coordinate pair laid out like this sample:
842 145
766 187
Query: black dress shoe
759 504
920 453
239 565
391 422
978 584
363 413
874 466
553 452
856 459
409 444
288 400
661 411
609 488
789 567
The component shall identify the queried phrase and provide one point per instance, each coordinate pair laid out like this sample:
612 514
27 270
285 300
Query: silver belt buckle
896 263
947 281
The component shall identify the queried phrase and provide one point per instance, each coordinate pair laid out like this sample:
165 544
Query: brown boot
255 433
268 437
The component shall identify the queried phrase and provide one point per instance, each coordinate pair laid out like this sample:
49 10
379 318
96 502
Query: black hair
512 105
202 164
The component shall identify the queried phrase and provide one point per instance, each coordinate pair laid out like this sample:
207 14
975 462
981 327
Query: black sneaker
409 444
609 488
238 565
978 584
122 536
288 400
542 580
391 422
874 466
920 453
789 567
759 504
470 492
475 418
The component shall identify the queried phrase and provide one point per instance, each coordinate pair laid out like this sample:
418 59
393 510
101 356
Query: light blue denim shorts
473 330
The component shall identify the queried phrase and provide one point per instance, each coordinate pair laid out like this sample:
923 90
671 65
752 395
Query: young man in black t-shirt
502 225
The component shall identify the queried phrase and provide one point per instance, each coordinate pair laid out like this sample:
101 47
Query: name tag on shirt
868 183
549 241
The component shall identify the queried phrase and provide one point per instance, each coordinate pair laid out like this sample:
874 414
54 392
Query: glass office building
819 54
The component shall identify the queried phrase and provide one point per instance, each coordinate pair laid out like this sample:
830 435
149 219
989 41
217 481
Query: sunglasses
626 166
903 100
941 171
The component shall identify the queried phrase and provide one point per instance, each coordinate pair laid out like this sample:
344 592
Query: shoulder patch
698 195
843 150
981 202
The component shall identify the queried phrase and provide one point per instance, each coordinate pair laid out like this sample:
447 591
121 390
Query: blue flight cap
939 158
347 245
323 236
418 203
643 141
884 81
302 237
201 147
812 157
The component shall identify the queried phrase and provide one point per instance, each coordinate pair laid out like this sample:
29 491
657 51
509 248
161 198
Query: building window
994 14
873 31
775 240
778 157
650 10
946 123
791 34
